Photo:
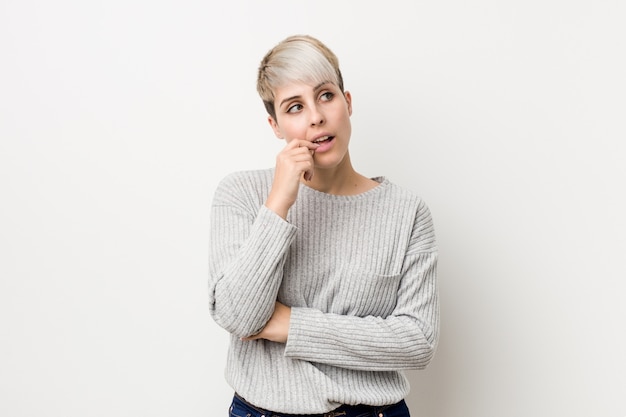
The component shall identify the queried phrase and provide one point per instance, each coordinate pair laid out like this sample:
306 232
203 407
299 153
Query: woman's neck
340 180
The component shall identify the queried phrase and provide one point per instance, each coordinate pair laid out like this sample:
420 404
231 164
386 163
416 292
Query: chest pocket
364 293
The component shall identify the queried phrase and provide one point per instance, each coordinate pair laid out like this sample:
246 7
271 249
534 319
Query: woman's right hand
293 163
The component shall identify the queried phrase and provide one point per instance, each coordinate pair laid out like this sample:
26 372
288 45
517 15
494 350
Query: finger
301 143
306 167
302 156
298 151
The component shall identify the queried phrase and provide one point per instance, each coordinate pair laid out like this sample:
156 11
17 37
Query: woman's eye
294 108
327 96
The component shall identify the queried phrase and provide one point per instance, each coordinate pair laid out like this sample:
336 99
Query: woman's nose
317 117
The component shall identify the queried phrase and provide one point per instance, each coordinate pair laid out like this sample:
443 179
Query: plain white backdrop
118 118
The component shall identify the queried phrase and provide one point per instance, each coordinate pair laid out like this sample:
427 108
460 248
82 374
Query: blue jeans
241 408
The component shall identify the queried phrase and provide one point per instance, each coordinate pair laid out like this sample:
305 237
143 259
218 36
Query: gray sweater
360 275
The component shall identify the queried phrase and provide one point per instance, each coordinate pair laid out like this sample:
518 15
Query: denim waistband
342 411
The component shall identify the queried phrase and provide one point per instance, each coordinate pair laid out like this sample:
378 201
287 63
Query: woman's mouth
323 139
325 142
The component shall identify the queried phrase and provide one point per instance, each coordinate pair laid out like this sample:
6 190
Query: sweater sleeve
247 251
405 339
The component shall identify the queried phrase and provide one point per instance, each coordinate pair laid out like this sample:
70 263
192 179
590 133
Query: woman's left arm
406 339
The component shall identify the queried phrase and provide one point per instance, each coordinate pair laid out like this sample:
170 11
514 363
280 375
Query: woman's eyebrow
288 99
320 85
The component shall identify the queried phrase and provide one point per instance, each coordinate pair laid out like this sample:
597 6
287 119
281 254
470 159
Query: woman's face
317 113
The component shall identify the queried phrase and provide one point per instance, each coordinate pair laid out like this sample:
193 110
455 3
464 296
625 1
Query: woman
326 279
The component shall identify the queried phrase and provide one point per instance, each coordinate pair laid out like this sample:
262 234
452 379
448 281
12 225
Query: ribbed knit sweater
359 273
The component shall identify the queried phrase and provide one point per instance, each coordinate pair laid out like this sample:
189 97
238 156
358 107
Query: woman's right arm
250 238
247 250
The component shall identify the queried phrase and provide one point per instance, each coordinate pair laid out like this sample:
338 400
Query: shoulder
401 195
423 229
244 186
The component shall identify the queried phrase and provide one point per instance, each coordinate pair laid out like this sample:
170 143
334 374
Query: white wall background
118 118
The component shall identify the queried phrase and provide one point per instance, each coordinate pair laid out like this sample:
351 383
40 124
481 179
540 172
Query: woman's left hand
277 328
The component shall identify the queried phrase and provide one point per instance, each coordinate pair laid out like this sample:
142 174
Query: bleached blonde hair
298 58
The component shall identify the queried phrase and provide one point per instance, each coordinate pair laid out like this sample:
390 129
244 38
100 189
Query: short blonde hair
300 58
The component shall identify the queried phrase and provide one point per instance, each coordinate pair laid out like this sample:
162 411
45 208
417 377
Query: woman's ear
348 97
275 127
